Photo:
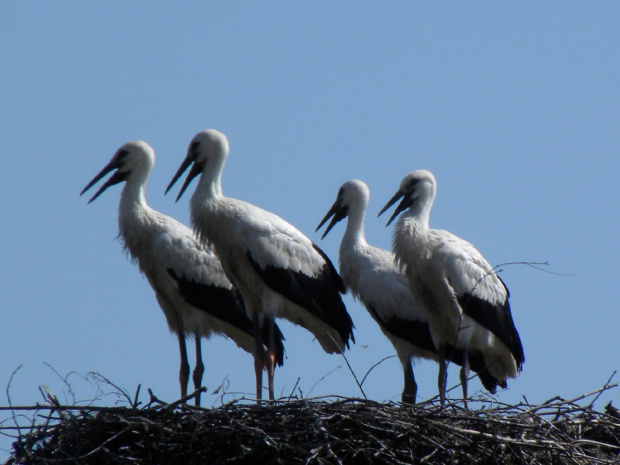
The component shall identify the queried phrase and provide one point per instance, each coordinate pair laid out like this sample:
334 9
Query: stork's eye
121 155
412 184
193 148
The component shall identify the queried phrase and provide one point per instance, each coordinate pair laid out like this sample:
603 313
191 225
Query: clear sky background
514 107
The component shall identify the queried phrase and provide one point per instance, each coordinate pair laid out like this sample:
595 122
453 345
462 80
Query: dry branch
324 431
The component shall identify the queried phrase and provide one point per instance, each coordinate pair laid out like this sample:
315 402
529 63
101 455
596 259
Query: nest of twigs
324 430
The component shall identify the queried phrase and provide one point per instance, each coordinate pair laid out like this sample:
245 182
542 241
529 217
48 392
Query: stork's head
208 147
417 190
353 195
133 162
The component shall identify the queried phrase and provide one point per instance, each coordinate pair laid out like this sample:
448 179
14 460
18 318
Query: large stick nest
324 431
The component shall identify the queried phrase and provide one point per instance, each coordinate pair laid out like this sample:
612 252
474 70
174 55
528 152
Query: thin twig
183 400
374 366
322 378
354 376
8 397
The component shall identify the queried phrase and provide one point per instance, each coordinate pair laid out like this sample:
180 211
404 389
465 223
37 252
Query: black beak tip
92 199
391 202
336 214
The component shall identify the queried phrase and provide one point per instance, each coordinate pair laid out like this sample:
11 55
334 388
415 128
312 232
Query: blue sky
514 107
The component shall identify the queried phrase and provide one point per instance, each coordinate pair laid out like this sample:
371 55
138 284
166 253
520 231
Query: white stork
465 300
373 278
189 282
278 270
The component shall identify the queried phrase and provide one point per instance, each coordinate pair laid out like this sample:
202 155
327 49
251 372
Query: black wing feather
226 305
415 332
320 296
497 319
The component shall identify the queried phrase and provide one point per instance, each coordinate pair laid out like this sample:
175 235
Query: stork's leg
184 370
259 356
443 376
411 388
465 375
270 357
198 370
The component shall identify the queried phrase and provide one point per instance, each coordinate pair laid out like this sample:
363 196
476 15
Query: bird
466 302
278 271
190 285
371 276
374 279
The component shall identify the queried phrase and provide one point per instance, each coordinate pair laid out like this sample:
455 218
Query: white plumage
189 283
373 278
465 301
278 270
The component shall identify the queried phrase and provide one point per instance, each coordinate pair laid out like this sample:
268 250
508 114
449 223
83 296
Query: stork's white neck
205 206
133 215
210 181
133 195
411 235
354 233
418 214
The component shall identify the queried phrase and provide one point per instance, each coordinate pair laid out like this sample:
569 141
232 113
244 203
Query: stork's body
278 270
189 283
466 303
373 278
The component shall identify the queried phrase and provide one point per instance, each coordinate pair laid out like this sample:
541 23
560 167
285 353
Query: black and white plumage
465 300
189 283
373 277
278 270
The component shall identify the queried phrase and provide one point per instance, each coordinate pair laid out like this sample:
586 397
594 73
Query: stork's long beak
338 212
193 172
114 179
403 205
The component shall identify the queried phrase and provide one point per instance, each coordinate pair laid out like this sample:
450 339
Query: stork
377 282
465 301
278 270
189 283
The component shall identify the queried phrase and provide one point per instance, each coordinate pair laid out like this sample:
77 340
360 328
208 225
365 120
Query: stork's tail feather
477 365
